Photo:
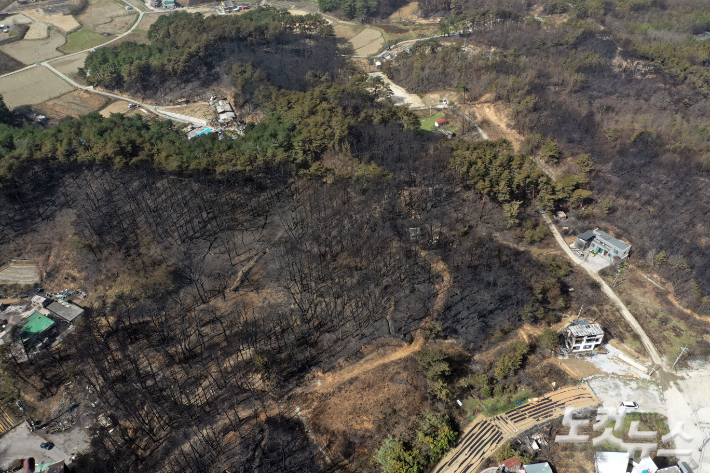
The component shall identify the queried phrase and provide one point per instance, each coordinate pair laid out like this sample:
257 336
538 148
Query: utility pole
580 311
682 350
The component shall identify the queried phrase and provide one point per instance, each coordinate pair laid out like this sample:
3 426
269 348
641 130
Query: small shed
41 301
441 122
378 64
36 325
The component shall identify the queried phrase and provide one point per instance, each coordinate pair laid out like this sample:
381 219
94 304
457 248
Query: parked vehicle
46 445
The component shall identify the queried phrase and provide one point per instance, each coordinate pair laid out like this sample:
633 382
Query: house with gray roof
583 336
601 243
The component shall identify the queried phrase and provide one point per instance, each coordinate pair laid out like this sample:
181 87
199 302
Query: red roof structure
511 463
440 122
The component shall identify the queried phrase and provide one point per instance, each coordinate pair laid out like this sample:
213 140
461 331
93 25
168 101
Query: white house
583 336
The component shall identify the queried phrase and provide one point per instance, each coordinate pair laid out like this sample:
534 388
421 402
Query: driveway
612 391
21 443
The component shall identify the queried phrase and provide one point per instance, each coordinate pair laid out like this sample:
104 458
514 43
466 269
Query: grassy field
428 121
29 51
83 39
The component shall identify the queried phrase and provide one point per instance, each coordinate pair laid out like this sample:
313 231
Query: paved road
485 435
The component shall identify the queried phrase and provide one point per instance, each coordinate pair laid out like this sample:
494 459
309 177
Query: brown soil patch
149 19
71 64
368 41
139 38
354 417
196 110
345 31
65 23
493 119
9 64
37 30
408 12
72 104
105 16
578 369
120 106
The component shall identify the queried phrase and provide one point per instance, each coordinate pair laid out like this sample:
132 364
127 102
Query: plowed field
32 86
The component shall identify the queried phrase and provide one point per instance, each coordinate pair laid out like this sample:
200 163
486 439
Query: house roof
65 310
611 462
36 324
511 463
670 469
538 468
586 236
585 330
611 240
443 120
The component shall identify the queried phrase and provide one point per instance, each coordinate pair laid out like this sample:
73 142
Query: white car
628 405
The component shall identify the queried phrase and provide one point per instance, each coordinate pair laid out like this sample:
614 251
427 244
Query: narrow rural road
150 108
130 30
652 352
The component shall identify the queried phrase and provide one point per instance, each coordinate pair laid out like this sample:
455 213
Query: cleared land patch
64 23
135 36
105 16
73 104
32 86
70 65
368 41
149 19
345 31
29 51
121 106
37 30
408 12
9 64
197 110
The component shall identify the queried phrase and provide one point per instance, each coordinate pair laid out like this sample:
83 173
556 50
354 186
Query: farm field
32 86
37 30
73 104
70 65
9 64
45 7
368 42
121 106
17 20
201 111
29 51
83 39
64 23
106 16
346 31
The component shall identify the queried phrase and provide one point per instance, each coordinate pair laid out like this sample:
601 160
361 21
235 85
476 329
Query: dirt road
653 353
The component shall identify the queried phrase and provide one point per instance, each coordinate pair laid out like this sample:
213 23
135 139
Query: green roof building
36 325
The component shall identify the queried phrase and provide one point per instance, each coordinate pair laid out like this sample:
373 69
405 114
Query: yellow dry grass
368 41
37 30
64 23
408 12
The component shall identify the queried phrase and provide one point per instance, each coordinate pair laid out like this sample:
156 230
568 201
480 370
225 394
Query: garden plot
70 65
19 271
73 104
105 16
29 51
368 42
32 86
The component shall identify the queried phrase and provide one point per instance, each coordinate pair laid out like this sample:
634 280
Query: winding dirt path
650 348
